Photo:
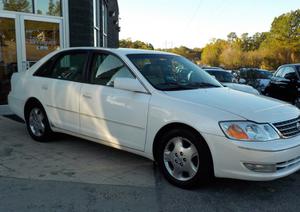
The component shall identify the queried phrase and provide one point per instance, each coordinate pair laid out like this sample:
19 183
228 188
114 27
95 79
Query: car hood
241 87
247 106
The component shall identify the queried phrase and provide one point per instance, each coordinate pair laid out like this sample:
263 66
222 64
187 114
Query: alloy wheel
181 159
36 122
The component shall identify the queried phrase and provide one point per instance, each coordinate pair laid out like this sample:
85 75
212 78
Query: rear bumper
230 157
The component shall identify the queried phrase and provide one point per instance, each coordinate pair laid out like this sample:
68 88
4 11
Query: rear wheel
184 158
37 123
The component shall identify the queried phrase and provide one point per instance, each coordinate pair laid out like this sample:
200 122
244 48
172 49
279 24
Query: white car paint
114 115
241 87
130 121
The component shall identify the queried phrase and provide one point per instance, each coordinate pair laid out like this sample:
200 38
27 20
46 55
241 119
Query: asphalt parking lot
72 174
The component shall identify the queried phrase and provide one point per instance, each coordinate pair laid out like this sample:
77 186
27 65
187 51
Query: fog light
264 168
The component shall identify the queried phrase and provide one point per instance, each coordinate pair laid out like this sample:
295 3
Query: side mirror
242 81
129 84
291 77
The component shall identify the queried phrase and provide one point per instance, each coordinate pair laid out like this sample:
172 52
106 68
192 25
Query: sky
194 23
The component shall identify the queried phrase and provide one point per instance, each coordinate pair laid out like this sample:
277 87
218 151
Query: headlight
248 131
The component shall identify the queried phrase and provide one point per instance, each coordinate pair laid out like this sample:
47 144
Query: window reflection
41 38
48 7
42 7
17 5
8 56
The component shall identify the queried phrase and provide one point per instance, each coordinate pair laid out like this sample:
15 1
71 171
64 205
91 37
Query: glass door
8 55
41 36
25 39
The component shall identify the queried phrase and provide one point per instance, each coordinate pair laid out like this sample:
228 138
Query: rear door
61 89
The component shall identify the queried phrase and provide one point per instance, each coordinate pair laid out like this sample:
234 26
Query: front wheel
37 123
184 158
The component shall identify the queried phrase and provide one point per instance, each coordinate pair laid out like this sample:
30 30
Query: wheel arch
177 125
30 102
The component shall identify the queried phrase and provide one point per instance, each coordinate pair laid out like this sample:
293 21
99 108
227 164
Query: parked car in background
161 106
257 78
285 84
228 80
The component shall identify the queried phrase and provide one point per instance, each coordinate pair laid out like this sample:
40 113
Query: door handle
45 87
87 96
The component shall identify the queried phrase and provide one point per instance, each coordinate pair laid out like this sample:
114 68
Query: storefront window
41 38
48 7
17 5
104 18
8 56
97 26
41 7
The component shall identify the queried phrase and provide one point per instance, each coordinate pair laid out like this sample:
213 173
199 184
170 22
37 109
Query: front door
114 115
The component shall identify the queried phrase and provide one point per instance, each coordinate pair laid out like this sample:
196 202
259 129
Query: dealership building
30 29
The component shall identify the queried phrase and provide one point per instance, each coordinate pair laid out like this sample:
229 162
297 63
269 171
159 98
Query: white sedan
160 106
227 79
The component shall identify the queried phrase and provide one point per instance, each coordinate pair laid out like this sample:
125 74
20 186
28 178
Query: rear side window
68 66
105 68
45 69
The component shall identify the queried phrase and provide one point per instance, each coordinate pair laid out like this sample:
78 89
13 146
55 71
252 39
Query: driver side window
105 68
289 73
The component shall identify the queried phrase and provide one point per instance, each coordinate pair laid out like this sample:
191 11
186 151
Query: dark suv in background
285 84
257 78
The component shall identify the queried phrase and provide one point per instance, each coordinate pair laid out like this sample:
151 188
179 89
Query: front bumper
229 157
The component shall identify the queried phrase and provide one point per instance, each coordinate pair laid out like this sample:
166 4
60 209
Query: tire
37 123
184 159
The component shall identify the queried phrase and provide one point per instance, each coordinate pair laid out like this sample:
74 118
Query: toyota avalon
163 107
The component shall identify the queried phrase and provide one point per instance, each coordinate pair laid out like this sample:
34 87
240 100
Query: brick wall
81 23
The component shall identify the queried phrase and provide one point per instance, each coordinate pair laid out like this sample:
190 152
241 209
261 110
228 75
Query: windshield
221 76
265 74
172 72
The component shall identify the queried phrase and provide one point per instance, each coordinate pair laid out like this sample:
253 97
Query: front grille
289 128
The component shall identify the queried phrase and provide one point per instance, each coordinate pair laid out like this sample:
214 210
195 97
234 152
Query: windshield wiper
174 86
203 85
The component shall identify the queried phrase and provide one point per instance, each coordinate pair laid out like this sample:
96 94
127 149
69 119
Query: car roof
295 64
211 68
122 51
216 70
